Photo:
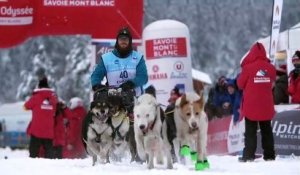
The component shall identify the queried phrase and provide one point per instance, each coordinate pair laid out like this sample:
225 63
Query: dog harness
115 131
98 135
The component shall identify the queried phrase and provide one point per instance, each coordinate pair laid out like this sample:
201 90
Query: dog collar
150 126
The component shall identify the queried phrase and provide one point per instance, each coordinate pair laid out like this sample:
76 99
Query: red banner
20 19
166 47
217 136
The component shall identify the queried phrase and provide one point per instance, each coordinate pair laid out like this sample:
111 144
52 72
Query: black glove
128 85
98 87
297 53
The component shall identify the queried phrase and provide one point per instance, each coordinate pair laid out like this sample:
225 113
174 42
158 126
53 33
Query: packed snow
17 162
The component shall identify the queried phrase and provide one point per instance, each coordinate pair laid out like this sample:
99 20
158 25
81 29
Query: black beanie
124 32
176 91
43 83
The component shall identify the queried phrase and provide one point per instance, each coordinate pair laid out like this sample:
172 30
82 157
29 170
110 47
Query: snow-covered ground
18 163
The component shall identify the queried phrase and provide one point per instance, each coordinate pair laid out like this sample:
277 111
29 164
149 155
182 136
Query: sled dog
191 125
149 133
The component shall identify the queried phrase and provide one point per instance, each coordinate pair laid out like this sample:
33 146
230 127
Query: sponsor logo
262 80
46 102
178 66
158 76
261 73
286 130
78 3
104 50
116 62
121 81
16 16
46 105
155 68
178 75
166 47
14 12
277 10
218 136
273 44
261 77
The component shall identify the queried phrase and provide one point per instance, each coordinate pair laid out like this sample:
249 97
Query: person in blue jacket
123 67
235 99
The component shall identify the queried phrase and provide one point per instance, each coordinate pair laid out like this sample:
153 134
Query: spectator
235 99
256 79
294 86
221 98
2 133
41 127
61 115
209 108
280 90
169 112
151 90
74 147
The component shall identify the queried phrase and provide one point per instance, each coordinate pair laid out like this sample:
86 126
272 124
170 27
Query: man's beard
124 52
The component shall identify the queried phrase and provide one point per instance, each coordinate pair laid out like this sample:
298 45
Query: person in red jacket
41 127
61 116
257 105
74 147
294 86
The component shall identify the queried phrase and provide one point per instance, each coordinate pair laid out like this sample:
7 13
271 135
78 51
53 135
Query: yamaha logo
178 66
155 68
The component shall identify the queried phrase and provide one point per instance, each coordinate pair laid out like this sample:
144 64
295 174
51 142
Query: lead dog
148 131
120 126
191 125
98 133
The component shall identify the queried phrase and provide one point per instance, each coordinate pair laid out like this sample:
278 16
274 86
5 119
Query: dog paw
150 166
142 155
170 166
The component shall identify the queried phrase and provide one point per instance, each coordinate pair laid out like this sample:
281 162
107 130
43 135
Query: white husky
148 131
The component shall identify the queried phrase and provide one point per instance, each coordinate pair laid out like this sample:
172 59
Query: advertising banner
218 136
168 58
286 132
276 21
224 137
166 47
20 19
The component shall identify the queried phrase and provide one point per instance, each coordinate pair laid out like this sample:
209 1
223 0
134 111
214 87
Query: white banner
276 21
235 140
168 57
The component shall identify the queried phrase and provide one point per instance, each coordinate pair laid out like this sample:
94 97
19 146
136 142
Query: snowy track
18 163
